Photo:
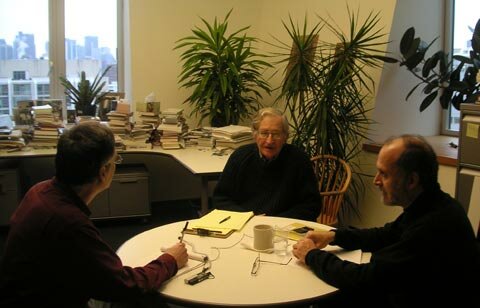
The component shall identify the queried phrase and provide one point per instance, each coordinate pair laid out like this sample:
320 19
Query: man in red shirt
54 255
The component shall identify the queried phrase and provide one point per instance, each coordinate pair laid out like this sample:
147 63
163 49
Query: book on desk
219 223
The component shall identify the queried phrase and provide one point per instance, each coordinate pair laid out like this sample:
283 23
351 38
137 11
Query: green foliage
224 71
326 87
86 95
456 80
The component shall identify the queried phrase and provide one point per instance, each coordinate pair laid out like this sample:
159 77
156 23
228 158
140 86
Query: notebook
219 223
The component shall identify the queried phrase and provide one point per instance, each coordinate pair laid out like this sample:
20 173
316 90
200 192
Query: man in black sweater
427 257
269 177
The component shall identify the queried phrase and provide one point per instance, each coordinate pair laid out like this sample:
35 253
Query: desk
200 163
233 284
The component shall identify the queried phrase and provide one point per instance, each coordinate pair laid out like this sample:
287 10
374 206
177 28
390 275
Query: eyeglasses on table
256 264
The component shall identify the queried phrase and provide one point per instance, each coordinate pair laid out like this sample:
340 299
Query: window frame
448 45
57 62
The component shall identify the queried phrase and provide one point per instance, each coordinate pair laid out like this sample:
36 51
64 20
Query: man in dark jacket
427 257
269 177
54 255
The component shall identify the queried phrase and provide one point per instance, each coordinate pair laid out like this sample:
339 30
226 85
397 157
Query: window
461 19
41 40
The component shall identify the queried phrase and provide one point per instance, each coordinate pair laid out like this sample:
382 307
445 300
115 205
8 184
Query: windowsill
446 154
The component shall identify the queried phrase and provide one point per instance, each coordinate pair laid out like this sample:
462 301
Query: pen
224 220
183 231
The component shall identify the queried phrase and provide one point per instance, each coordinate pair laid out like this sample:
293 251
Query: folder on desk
219 223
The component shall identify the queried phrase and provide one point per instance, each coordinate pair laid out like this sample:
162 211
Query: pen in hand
224 220
183 232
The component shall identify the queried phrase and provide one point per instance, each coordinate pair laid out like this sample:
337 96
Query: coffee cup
263 236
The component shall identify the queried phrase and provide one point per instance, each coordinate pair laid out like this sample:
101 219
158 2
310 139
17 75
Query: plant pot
80 119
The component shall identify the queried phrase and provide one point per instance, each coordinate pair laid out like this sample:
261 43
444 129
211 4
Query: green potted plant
224 72
86 95
326 87
456 80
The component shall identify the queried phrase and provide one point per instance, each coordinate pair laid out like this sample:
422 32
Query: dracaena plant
224 72
454 80
86 95
327 86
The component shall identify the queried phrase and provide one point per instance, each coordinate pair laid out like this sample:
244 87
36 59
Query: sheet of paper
220 219
472 130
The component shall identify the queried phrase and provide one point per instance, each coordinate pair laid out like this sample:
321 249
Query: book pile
141 132
172 128
148 113
11 139
46 127
201 137
232 136
119 120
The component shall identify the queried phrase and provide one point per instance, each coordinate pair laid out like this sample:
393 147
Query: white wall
155 25
393 114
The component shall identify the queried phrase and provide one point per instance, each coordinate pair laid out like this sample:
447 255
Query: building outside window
462 17
31 61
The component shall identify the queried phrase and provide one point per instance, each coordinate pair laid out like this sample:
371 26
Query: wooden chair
334 176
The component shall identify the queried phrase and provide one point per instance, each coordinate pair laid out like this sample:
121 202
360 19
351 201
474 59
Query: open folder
219 223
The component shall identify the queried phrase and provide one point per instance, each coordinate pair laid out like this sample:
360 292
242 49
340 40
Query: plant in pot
326 88
224 71
86 94
456 80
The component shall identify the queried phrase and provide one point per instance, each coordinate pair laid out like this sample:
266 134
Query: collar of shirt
69 192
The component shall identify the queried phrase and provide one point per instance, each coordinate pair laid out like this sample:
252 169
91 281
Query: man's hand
179 252
321 238
302 247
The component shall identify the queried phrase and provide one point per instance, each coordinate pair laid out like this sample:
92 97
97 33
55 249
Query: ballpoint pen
183 232
225 219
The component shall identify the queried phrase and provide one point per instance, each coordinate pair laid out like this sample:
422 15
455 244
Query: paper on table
287 231
212 220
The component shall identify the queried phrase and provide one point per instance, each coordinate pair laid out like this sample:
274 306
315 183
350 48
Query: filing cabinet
128 195
467 190
9 194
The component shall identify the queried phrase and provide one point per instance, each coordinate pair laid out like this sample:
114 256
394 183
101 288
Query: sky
83 18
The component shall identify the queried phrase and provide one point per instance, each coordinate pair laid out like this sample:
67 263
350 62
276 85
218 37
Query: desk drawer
9 194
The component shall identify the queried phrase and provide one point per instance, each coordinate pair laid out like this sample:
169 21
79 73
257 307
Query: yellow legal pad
219 223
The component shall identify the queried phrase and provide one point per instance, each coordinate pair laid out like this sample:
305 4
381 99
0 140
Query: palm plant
224 71
326 88
86 95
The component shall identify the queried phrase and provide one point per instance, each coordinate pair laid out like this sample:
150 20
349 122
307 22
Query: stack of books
200 137
46 127
172 128
119 120
148 113
232 136
11 139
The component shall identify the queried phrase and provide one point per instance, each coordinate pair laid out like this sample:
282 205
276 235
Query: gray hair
270 112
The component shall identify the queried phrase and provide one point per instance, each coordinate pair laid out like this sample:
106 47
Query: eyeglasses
256 264
264 134
118 159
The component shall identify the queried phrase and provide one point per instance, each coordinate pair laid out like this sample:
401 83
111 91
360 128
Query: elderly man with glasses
54 255
270 176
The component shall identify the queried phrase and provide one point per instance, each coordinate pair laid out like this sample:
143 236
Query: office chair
334 176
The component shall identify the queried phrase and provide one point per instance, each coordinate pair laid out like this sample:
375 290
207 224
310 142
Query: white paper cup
263 236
